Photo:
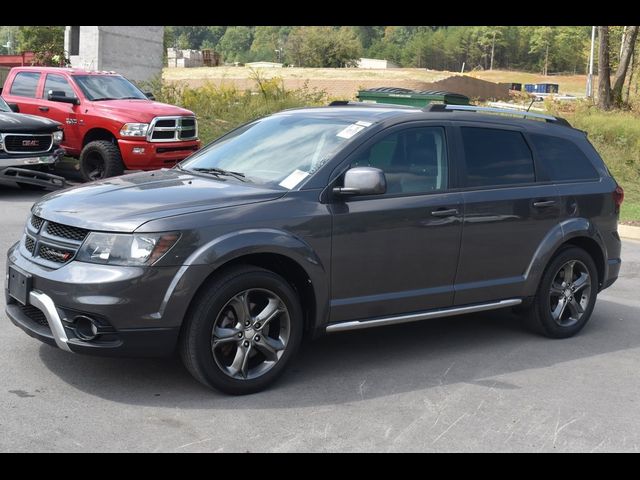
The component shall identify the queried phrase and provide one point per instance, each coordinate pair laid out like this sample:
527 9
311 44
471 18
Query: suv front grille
36 222
24 143
30 244
51 244
173 129
65 231
53 254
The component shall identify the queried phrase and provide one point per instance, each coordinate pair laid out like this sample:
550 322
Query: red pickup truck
109 123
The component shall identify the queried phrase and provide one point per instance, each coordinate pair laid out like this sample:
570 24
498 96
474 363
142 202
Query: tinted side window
496 157
25 84
413 160
57 83
563 159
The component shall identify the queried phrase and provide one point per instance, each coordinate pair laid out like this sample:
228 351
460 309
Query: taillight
618 197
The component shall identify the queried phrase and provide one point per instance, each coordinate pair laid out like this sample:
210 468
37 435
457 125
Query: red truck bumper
138 155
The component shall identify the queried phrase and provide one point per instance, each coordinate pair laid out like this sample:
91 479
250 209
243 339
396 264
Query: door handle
445 212
43 109
544 203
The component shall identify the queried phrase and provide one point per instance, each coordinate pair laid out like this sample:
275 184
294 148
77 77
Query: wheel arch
577 232
273 250
98 134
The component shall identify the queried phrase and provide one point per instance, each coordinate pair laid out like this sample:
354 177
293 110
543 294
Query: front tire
100 159
566 295
242 330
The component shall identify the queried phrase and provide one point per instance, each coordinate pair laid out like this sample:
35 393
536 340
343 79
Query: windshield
107 87
3 106
278 150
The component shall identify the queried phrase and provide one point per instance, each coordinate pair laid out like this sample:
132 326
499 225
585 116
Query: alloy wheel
250 334
570 293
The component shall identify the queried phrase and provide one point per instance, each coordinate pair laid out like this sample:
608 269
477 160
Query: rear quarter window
563 159
25 84
496 157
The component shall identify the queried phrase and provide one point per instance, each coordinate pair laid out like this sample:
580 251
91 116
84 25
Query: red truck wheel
100 159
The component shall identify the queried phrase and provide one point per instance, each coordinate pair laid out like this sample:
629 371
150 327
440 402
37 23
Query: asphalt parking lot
473 383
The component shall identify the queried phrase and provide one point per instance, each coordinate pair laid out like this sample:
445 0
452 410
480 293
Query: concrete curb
629 231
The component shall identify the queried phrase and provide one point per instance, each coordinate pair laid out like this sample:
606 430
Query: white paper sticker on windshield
362 123
294 179
350 131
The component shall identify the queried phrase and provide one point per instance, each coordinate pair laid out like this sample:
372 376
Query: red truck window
25 84
57 83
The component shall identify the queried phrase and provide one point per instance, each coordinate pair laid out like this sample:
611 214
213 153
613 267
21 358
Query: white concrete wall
375 63
133 51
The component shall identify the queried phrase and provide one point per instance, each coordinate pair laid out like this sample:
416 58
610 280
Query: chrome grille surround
173 129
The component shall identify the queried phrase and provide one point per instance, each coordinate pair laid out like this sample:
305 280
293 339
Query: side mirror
150 95
363 181
14 107
60 96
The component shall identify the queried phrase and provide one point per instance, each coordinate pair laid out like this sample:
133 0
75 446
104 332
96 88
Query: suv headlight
126 249
57 137
134 130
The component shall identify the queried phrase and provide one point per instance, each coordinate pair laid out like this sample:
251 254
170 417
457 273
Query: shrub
221 108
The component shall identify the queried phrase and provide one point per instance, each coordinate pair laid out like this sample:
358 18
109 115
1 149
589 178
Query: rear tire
225 346
566 295
100 159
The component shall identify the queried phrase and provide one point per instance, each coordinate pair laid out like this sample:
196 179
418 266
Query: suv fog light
85 328
138 150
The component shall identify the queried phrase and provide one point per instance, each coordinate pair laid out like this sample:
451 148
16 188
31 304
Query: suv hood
21 123
139 110
123 204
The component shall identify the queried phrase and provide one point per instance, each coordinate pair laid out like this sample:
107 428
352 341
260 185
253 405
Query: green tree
541 44
47 42
571 49
235 44
193 37
266 42
323 47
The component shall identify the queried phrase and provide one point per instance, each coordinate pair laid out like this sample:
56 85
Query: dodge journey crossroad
322 220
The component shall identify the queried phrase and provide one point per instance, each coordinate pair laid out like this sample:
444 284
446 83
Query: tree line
541 49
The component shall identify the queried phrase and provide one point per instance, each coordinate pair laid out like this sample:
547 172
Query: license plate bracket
19 285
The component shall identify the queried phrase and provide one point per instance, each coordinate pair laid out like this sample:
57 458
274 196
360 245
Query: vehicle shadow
357 366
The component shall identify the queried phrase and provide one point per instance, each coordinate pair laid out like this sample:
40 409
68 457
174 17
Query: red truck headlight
134 130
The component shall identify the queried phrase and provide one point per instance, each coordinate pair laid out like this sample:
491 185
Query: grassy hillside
616 136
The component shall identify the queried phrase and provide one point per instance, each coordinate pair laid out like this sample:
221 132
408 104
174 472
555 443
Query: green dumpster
413 98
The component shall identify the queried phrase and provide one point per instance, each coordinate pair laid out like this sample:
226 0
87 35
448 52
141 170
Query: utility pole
590 76
493 46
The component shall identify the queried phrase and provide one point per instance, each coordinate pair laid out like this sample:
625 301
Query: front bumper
26 169
155 155
139 310
22 161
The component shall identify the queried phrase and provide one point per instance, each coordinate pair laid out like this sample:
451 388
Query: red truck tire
100 159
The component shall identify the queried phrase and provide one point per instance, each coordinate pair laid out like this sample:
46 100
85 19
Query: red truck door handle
43 109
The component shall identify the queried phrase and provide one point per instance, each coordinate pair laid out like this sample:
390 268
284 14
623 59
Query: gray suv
322 220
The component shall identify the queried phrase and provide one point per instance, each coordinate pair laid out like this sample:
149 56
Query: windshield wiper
103 98
221 172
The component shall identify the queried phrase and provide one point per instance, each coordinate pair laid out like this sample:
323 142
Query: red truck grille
23 143
173 129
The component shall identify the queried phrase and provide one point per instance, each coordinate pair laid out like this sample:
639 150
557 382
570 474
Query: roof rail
349 103
438 107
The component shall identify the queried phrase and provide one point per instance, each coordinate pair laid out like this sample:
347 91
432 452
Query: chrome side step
414 317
